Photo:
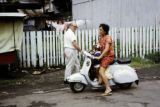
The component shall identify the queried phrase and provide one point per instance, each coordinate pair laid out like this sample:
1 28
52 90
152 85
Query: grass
138 62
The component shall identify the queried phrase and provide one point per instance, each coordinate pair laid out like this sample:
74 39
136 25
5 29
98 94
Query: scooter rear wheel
77 87
125 85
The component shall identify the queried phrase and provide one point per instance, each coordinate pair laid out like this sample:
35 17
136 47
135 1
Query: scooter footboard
77 77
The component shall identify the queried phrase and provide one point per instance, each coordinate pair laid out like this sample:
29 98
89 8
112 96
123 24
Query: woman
107 56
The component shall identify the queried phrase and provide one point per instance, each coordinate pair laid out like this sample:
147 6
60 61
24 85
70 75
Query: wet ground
52 79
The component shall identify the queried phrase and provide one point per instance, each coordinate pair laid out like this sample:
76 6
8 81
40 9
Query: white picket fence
45 48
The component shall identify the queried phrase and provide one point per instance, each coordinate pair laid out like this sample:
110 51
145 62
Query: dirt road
53 79
142 96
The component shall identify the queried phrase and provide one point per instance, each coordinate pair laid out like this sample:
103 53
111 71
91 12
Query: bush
155 57
138 62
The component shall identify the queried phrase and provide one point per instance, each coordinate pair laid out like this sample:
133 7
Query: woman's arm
105 50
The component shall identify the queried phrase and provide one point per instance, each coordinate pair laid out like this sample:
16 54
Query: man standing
70 51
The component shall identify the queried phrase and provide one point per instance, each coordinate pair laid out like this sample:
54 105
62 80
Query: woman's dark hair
105 27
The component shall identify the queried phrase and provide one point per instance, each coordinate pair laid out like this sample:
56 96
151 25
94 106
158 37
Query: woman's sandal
107 94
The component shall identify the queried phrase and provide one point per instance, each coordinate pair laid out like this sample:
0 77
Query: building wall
117 13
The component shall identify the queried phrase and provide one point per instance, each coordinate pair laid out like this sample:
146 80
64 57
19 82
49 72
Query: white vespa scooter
122 75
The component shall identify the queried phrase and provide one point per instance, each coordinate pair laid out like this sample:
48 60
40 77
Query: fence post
33 48
150 38
132 41
40 48
147 41
28 49
144 42
140 41
159 38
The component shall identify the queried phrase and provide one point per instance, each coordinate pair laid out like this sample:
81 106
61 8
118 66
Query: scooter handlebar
88 54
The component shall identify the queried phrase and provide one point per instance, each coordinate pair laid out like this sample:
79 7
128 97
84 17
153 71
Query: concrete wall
117 13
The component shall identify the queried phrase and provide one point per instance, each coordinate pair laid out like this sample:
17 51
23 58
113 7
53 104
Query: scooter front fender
77 77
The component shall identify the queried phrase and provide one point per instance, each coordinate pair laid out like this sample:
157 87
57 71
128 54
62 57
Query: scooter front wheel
77 87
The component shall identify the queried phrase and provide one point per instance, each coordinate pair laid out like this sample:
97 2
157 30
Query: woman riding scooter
106 57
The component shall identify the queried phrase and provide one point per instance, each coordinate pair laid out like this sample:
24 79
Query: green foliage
138 62
118 48
155 57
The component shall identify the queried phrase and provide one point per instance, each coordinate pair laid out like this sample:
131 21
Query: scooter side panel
123 73
77 77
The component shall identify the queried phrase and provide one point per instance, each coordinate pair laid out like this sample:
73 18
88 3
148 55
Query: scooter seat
124 60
